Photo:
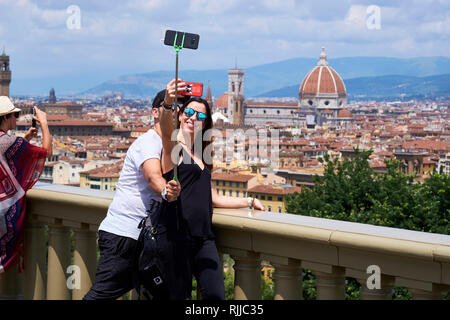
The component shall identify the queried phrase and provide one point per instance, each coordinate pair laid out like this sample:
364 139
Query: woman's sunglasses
189 112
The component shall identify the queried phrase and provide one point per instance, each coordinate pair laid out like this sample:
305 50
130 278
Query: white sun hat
6 106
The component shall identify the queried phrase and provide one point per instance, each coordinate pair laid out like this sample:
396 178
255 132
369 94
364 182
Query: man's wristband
164 194
166 107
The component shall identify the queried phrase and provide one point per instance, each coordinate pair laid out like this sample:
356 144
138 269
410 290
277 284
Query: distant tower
208 98
5 74
52 97
236 96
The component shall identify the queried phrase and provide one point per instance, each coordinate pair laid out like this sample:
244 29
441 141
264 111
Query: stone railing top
88 207
74 190
345 226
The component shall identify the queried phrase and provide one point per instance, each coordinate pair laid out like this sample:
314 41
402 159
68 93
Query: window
223 192
231 184
263 197
238 184
279 209
223 183
93 186
231 193
245 194
280 198
106 187
269 208
237 193
269 198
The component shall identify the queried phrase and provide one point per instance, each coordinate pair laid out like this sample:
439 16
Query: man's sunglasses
189 112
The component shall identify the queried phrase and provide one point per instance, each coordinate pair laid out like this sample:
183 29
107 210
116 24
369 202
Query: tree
351 190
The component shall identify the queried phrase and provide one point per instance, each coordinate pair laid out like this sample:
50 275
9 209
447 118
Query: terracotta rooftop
269 189
231 177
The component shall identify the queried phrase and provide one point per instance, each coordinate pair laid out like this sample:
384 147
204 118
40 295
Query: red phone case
194 89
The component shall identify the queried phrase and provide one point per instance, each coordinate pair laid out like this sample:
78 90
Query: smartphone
33 121
193 89
190 39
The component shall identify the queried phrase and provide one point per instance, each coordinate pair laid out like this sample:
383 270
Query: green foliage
309 285
352 287
351 190
228 278
267 290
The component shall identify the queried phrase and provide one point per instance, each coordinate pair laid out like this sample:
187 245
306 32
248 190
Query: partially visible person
21 164
140 184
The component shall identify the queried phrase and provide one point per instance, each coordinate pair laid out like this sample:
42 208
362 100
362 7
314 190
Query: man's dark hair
159 98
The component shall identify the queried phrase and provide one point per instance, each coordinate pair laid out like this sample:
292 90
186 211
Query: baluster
288 281
330 285
247 276
35 275
85 258
58 261
383 293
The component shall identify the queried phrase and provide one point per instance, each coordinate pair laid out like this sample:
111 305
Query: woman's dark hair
208 123
6 116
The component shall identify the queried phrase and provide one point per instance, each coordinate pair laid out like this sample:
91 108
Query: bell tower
5 74
236 96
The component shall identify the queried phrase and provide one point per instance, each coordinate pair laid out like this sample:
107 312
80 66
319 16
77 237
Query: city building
273 197
322 93
5 74
102 178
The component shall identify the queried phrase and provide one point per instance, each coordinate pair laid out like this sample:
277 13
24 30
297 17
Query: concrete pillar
330 286
247 277
383 293
84 260
58 261
10 285
288 281
35 274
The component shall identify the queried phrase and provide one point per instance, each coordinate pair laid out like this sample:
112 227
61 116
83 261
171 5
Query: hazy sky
43 38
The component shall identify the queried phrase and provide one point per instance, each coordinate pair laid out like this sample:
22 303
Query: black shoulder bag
150 267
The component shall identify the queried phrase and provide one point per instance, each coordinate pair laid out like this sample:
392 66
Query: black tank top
194 205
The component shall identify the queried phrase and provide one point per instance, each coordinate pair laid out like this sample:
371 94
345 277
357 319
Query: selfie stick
175 103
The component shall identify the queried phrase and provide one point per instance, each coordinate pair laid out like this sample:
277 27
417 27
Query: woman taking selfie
21 163
188 244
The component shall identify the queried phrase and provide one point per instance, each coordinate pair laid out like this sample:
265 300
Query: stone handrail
378 257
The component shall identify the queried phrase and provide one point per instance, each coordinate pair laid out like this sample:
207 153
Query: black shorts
116 267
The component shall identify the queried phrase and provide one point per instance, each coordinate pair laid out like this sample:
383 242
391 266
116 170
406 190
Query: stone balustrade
61 234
